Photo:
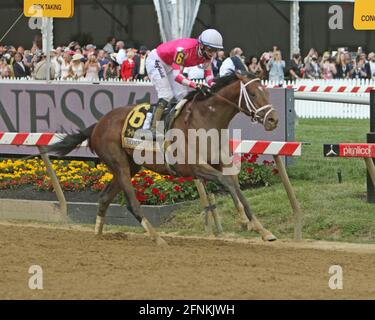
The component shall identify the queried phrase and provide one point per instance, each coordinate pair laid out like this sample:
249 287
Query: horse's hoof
160 242
269 237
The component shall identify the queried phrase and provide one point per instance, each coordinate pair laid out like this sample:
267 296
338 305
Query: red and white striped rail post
39 140
277 149
366 151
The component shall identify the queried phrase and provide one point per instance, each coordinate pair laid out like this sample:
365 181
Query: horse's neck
220 110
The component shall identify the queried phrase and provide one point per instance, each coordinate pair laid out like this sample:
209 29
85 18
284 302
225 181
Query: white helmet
211 38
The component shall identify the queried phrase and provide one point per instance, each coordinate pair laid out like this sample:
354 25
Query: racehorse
234 93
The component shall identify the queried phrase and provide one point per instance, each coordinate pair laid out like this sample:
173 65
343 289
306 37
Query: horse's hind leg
105 199
124 174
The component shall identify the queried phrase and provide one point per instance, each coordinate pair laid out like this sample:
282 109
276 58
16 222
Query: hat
90 46
77 56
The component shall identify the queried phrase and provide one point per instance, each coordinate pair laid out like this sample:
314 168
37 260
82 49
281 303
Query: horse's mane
220 83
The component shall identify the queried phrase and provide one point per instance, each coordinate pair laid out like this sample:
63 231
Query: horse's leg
124 174
215 214
105 199
248 219
205 204
240 202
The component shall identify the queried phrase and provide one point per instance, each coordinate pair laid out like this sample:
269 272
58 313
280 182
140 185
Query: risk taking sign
49 8
364 14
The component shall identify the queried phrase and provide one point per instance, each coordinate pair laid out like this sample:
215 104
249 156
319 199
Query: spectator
254 66
112 69
295 68
21 50
195 73
233 63
65 66
121 53
90 49
77 68
19 69
111 41
127 68
27 58
327 67
92 68
370 66
140 72
276 67
11 52
359 69
217 62
5 71
312 69
40 70
309 56
102 59
263 62
343 65
56 61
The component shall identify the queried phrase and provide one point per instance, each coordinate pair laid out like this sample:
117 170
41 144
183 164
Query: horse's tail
70 142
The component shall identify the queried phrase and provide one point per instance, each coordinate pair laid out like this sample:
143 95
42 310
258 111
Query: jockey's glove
203 88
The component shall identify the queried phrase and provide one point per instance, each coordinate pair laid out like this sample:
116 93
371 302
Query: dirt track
76 265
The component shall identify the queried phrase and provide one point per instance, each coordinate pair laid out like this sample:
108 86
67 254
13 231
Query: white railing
350 90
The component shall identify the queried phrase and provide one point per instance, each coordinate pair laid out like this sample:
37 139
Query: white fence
344 88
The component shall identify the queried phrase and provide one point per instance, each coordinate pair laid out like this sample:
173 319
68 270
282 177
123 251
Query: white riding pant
162 77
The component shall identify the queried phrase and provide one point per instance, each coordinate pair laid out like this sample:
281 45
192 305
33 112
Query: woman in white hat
77 67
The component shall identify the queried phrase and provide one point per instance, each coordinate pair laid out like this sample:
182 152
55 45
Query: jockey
166 63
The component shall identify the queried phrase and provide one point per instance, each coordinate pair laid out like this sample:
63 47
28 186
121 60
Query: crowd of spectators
340 64
73 61
118 61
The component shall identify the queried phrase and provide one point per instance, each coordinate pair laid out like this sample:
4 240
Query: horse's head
254 101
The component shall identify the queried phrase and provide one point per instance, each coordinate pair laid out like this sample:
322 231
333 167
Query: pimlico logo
356 151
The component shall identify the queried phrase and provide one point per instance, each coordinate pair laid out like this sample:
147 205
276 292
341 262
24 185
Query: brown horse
238 92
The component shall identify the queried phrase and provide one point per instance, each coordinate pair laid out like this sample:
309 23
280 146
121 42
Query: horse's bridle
250 104
252 110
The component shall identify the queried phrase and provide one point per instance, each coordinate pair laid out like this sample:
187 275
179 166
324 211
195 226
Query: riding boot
158 113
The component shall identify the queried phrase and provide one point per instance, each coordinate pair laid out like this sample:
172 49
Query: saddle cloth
136 119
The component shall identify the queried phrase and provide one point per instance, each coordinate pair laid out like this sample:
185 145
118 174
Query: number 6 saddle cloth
135 121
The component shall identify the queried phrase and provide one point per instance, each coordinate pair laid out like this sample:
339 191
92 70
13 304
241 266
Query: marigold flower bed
151 188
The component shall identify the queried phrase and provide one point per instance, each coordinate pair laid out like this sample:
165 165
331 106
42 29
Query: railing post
292 198
56 184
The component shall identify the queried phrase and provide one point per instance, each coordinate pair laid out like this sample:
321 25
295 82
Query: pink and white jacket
183 53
